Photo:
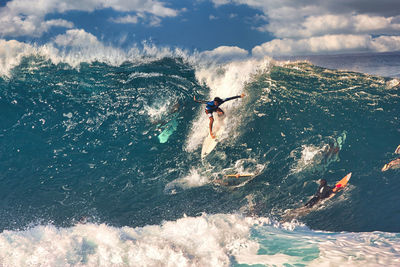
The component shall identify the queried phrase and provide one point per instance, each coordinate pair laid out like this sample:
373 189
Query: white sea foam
193 179
309 156
392 83
156 110
11 53
207 240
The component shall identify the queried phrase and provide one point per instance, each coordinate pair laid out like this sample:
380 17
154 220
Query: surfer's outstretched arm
199 101
234 97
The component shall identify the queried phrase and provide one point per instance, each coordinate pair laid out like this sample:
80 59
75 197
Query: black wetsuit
323 191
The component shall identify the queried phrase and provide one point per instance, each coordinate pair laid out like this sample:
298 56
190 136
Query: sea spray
206 240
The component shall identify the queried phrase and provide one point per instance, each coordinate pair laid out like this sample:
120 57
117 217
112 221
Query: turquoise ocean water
100 162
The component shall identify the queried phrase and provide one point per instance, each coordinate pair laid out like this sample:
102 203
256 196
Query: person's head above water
322 182
218 100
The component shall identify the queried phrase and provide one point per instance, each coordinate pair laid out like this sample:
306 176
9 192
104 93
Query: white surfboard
210 143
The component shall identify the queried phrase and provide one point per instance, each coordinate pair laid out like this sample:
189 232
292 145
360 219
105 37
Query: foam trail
308 157
193 179
157 110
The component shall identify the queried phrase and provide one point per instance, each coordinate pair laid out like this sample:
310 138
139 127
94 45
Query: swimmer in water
394 164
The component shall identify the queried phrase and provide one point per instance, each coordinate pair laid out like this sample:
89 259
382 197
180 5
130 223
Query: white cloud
155 21
325 26
28 25
152 21
76 38
299 19
224 53
149 6
61 6
23 17
386 43
212 17
126 19
335 24
327 44
221 2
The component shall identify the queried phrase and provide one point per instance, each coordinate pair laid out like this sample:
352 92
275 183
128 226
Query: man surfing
324 191
213 106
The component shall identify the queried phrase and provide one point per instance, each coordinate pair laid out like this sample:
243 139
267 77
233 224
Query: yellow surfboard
341 184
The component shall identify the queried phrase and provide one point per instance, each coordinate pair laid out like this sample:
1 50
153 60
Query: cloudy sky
216 27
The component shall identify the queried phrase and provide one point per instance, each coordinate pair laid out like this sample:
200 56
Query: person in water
394 164
324 191
213 106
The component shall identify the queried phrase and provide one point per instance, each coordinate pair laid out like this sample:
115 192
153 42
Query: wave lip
78 47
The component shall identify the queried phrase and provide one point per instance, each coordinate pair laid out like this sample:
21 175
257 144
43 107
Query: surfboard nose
385 167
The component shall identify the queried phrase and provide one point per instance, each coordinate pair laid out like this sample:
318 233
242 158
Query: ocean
100 160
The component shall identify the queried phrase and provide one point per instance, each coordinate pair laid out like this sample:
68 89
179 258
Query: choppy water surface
83 163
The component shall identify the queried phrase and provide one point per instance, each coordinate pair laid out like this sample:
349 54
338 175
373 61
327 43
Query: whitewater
86 179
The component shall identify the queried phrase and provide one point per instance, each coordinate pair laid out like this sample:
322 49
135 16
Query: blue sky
257 27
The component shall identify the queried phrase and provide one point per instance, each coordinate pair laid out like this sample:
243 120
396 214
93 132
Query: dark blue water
80 145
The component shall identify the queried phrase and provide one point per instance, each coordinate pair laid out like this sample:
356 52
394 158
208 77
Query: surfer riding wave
213 106
324 191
